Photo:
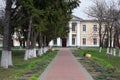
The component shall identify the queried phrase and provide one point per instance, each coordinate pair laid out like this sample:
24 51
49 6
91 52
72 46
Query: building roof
75 18
92 20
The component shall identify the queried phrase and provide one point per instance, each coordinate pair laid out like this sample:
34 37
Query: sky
79 11
1 3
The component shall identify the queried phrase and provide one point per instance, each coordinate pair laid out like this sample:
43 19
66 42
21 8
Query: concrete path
65 67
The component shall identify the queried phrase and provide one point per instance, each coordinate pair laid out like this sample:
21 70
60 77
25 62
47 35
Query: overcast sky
1 3
79 11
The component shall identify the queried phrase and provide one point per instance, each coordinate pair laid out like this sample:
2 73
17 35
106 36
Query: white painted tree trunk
114 52
26 54
45 49
34 52
111 51
10 59
107 52
30 55
100 50
4 59
119 52
40 52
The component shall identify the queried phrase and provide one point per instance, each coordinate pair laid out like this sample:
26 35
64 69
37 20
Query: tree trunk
45 48
6 58
33 43
27 52
40 51
100 36
40 40
118 44
119 52
114 52
100 50
23 43
114 45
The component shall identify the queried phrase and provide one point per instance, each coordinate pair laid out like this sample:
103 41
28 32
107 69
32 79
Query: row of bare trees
107 14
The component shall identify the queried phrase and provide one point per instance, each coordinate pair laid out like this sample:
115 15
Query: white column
70 34
51 43
78 34
58 42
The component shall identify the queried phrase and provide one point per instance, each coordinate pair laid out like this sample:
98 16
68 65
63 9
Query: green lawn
108 61
21 68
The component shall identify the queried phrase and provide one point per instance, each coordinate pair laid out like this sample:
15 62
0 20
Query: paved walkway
65 67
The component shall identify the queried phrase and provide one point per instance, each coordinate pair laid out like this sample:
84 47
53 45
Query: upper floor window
94 41
73 26
84 28
84 41
95 28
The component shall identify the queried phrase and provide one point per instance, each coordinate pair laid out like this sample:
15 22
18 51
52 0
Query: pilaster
70 34
78 34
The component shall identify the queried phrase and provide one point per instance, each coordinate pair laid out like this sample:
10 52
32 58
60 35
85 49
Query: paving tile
65 67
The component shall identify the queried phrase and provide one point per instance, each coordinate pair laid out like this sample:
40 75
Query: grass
108 61
100 65
32 67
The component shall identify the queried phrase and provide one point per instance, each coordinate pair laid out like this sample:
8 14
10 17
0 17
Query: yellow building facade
89 33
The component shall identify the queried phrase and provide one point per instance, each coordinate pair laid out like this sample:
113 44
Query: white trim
78 34
58 41
70 34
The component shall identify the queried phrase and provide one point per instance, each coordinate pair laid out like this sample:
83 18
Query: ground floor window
73 41
55 41
84 41
94 41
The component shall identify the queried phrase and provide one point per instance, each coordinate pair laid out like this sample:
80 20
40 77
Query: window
73 27
84 28
95 28
84 41
55 42
94 41
73 41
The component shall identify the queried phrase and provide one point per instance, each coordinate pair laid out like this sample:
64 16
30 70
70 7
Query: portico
73 38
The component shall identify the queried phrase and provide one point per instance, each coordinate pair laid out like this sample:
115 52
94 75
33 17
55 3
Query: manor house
82 33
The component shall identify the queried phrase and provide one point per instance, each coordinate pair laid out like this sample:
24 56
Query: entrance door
64 42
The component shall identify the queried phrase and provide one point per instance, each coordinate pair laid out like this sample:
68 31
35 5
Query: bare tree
111 19
106 14
98 11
